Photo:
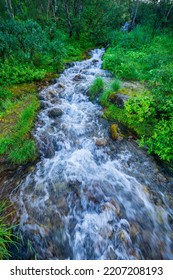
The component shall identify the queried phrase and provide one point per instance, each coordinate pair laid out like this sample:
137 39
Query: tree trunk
68 19
135 12
168 14
9 8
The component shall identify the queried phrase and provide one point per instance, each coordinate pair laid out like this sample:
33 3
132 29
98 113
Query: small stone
56 112
119 138
60 85
101 142
134 230
95 60
78 77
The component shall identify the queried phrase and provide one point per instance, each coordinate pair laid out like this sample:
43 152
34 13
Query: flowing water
83 199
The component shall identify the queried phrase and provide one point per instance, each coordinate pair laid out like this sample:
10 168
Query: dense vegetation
140 56
38 37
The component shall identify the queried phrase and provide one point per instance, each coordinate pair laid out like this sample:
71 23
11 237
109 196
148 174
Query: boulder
54 113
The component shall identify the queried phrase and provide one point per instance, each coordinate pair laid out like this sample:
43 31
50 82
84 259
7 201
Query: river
88 201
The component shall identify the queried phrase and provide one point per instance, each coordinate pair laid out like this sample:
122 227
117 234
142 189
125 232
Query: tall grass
6 236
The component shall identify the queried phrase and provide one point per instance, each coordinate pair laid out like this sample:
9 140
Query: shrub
139 109
161 141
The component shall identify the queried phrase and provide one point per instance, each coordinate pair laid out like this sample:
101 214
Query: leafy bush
161 141
139 109
11 72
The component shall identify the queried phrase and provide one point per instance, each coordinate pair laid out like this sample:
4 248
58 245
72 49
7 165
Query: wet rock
170 184
161 179
111 254
119 99
125 225
124 238
56 112
46 146
75 186
60 85
69 65
95 60
44 105
117 207
62 205
101 142
78 77
113 206
134 230
59 89
41 97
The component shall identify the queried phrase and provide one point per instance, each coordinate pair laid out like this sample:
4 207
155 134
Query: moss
115 131
23 89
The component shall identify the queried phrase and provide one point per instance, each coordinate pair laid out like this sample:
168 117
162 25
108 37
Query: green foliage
115 113
139 109
140 56
5 94
161 141
96 88
11 72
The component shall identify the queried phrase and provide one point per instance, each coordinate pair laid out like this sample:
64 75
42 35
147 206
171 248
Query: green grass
16 124
115 85
96 88
6 236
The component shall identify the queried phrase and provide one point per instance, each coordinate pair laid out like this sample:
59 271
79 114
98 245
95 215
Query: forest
39 38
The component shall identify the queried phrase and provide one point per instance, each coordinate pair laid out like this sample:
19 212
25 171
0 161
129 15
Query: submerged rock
101 142
46 146
56 112
78 77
